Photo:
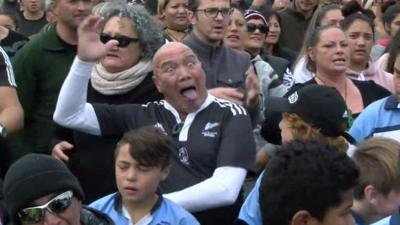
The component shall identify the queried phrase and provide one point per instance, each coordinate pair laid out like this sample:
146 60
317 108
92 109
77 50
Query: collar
357 218
201 48
392 103
52 41
370 71
147 218
183 134
170 108
119 207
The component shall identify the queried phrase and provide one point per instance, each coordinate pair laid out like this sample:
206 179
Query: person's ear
192 17
303 217
371 194
165 172
386 27
156 83
311 53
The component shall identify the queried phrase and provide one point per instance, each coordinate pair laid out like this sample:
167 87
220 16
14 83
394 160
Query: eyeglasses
123 41
251 28
55 206
213 12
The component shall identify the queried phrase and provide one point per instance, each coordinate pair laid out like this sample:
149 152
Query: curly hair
302 130
305 175
150 36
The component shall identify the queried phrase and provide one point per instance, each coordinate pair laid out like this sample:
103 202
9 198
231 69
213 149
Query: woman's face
255 37
176 15
331 53
274 31
332 17
121 58
236 32
361 39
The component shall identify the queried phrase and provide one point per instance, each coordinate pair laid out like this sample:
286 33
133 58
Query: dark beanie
34 176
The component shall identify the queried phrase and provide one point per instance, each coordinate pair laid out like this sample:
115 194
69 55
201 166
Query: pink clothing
384 42
373 72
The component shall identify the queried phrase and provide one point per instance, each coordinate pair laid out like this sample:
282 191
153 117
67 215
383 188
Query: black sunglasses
55 206
123 41
251 27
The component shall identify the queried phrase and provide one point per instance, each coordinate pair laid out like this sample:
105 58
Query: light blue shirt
250 211
380 118
165 212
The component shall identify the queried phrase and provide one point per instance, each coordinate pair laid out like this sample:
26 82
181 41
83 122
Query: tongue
191 94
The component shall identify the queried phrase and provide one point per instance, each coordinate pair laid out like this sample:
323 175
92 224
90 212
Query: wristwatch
3 131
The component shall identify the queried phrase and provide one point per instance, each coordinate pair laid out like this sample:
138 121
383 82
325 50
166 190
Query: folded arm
221 189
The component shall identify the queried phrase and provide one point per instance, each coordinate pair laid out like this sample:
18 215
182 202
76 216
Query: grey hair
150 36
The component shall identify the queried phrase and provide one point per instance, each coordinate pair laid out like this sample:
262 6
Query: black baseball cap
319 105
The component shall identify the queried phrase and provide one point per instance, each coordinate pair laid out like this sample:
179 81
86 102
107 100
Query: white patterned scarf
122 82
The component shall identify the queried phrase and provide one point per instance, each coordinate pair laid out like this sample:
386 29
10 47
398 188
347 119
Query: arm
11 113
72 110
219 190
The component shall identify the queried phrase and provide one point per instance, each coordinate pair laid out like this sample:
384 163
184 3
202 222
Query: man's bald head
167 49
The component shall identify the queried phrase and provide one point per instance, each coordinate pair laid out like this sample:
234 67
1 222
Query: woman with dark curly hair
123 76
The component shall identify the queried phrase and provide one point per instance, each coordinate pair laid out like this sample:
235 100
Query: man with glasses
39 189
226 68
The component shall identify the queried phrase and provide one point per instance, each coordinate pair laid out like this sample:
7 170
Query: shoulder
104 202
236 54
228 107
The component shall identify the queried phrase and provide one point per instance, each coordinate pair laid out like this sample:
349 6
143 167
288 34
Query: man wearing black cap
39 189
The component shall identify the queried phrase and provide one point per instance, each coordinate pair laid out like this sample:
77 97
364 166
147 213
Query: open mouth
339 60
235 37
189 92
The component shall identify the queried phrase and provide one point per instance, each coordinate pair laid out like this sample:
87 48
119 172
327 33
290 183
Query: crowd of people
211 112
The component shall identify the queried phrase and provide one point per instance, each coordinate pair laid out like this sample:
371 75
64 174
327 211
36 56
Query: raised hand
90 48
60 151
252 88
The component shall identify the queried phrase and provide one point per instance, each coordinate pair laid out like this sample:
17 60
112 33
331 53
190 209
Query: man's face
305 6
69 216
71 12
32 6
341 214
210 28
387 205
180 77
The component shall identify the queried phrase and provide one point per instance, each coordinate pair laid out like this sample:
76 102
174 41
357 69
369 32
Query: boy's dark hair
149 146
305 175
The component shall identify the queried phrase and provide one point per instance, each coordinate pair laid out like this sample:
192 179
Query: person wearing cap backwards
314 112
39 189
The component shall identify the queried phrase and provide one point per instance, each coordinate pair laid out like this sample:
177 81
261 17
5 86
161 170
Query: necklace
348 112
175 34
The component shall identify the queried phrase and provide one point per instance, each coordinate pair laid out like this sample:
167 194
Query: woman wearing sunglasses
39 189
124 75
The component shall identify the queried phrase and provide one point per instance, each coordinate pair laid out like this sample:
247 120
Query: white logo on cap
293 98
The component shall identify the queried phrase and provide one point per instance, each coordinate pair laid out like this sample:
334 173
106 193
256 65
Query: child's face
137 184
